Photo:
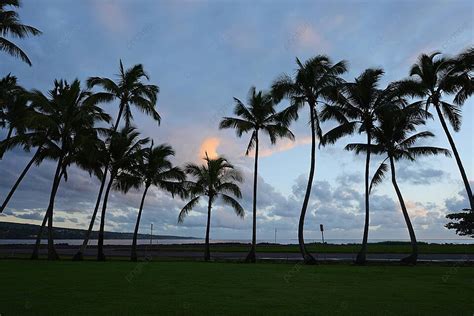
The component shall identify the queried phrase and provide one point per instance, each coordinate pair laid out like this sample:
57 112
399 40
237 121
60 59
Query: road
125 252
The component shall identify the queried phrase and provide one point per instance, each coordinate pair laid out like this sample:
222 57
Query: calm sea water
199 241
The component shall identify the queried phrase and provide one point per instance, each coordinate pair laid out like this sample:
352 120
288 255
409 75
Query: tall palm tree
355 107
157 170
395 136
216 178
313 83
10 25
259 115
125 154
71 124
129 90
433 77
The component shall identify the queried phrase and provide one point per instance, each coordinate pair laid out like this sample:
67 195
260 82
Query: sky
202 54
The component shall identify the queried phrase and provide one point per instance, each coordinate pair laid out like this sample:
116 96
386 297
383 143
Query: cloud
417 175
111 15
282 145
209 146
303 35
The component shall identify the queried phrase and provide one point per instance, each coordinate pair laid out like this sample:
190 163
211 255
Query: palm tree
314 81
130 90
71 124
125 154
10 25
216 178
35 137
157 170
14 109
259 115
431 78
355 108
394 138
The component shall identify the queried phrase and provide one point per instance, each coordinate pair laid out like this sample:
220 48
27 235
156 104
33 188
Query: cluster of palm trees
68 126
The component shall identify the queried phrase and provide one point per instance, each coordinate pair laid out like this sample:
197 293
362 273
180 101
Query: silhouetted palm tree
314 81
35 137
125 154
130 90
392 138
71 133
216 178
10 25
259 115
434 76
14 107
156 169
355 107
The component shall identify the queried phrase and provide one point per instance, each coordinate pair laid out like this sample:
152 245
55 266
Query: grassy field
199 288
393 247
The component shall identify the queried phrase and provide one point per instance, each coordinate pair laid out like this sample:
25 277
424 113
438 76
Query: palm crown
10 25
216 178
130 90
156 169
259 115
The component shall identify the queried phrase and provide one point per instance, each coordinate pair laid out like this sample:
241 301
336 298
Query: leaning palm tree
71 124
156 169
259 115
395 136
129 90
125 154
433 77
35 137
314 82
355 107
10 25
216 178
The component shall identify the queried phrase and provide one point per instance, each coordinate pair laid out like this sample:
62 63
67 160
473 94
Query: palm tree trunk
35 253
207 249
137 225
252 256
361 256
80 254
100 243
456 155
307 257
119 116
18 181
414 255
48 218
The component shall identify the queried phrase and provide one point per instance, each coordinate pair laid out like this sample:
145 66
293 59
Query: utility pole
321 227
151 234
275 235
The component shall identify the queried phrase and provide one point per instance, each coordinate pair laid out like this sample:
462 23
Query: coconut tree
130 90
259 115
10 25
434 77
395 137
125 154
157 170
355 107
70 121
313 83
217 178
14 109
35 137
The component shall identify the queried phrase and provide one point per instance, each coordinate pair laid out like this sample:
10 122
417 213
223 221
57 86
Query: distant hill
29 231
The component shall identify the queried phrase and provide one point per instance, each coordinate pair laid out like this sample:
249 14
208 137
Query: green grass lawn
199 288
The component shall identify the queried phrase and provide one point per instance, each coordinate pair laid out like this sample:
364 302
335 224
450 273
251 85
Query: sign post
321 227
